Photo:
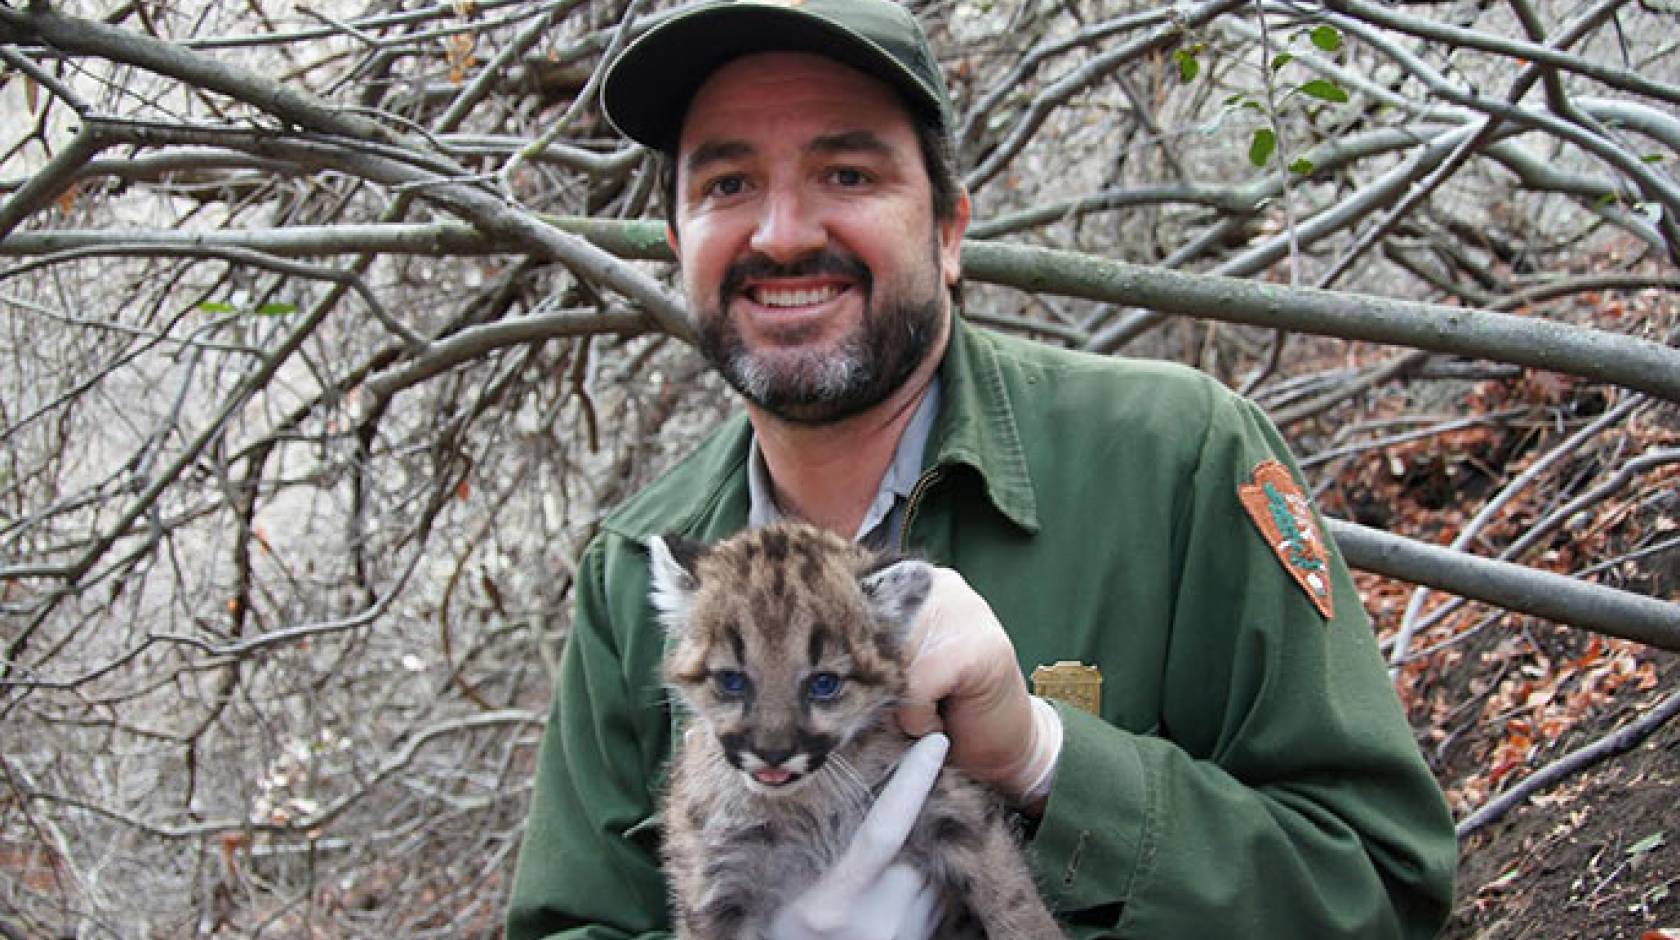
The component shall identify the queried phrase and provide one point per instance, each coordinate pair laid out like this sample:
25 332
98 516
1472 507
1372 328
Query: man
1245 770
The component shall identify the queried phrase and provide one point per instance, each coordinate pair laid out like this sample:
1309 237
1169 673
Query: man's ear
672 563
951 232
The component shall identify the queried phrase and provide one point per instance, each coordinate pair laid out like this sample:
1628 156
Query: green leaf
1328 38
1261 148
1503 880
1302 167
1653 841
276 309
1654 157
217 306
1282 59
1188 65
1324 90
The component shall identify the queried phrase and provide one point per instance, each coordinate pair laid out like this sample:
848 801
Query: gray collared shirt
884 519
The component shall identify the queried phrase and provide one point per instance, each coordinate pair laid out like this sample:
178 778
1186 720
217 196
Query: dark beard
822 388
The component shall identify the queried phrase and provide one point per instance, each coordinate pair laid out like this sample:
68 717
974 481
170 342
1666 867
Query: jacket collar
977 427
705 495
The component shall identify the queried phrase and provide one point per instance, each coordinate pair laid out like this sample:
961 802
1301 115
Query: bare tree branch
48 185
1623 360
1472 530
1459 37
1053 96
81 37
257 570
1524 590
1618 742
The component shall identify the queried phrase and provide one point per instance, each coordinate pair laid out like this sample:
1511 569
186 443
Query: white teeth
782 297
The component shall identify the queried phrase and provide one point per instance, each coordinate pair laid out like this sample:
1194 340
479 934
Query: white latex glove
866 896
964 680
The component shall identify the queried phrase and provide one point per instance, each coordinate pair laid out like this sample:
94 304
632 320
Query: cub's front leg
728 879
965 843
707 902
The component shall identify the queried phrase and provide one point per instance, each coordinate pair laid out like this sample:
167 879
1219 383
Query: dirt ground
1494 696
1596 857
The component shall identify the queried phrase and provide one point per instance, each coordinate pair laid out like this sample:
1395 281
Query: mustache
823 262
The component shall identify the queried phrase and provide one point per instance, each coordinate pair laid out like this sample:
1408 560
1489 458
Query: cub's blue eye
823 685
729 682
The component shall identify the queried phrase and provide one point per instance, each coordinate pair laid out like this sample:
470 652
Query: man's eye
823 686
848 176
726 186
729 682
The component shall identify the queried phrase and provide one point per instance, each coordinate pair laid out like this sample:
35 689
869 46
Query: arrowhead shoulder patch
1285 519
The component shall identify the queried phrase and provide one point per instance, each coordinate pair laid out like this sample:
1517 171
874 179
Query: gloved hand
964 680
866 896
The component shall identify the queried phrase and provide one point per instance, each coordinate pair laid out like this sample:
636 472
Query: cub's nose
773 756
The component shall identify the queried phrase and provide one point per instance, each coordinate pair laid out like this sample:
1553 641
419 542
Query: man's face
805 228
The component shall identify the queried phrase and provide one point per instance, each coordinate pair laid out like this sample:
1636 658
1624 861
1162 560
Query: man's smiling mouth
807 282
795 297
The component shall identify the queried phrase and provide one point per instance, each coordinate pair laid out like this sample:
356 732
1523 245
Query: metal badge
1072 682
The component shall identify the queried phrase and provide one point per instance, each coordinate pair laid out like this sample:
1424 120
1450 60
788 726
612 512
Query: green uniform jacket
1251 774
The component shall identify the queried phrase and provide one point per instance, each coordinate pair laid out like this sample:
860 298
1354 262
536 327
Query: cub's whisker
851 784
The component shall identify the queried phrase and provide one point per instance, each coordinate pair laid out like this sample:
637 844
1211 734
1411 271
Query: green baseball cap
647 89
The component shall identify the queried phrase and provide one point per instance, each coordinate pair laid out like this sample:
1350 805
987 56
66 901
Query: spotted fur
787 648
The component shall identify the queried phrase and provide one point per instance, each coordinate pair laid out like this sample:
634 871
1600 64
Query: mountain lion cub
787 646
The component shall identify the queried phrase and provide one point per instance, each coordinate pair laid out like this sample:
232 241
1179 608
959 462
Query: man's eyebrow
715 151
850 142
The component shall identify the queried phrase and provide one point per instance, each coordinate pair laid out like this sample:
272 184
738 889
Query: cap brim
647 90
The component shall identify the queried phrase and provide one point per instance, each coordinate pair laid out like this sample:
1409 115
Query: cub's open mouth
774 776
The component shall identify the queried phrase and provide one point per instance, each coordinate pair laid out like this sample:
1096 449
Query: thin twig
1048 99
1472 530
232 255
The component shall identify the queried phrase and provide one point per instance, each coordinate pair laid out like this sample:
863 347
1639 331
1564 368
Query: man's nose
787 228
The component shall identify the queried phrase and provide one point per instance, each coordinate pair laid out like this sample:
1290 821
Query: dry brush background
328 332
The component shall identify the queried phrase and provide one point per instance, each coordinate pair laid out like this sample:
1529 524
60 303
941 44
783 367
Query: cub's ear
671 563
896 591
